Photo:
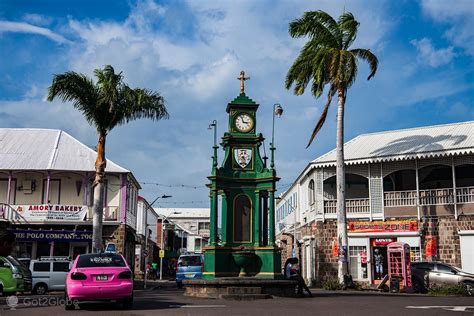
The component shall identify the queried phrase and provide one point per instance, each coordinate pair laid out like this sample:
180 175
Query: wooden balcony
353 206
429 197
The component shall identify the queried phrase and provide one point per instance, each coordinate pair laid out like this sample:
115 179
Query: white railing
429 197
354 206
400 198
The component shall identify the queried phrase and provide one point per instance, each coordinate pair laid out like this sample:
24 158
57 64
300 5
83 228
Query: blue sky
192 52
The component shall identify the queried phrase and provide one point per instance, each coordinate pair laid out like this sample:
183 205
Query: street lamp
294 225
213 125
278 111
162 244
164 196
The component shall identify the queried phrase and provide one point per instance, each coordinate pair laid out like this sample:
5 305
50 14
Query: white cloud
21 27
432 56
37 19
459 15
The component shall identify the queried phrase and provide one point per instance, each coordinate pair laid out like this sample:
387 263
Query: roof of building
404 144
47 149
183 212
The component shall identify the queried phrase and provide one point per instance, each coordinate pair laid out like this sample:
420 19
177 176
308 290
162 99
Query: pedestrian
148 270
7 241
154 268
292 272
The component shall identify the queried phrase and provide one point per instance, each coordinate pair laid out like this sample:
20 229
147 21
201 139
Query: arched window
311 196
242 218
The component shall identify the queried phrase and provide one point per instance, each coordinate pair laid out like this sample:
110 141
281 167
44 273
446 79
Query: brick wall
326 263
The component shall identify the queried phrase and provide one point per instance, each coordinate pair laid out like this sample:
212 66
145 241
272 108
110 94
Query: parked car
24 261
49 274
14 277
99 277
426 274
190 266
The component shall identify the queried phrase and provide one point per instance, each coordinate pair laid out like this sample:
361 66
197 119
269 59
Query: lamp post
162 244
278 111
294 226
213 125
164 196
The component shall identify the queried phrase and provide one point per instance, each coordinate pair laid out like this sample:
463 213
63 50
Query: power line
187 186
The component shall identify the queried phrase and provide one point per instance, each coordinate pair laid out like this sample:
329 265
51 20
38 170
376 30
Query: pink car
99 277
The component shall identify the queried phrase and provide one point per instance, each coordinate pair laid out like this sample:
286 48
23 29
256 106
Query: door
443 274
467 252
58 275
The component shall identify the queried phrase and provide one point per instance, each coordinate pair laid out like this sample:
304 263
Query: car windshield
16 266
190 261
100 260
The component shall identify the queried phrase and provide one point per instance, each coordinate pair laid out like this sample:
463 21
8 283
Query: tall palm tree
326 59
105 104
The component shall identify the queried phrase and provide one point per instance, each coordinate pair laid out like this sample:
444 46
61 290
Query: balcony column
48 187
9 189
455 195
86 189
418 211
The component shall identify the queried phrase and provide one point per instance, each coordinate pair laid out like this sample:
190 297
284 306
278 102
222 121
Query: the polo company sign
52 212
60 235
383 227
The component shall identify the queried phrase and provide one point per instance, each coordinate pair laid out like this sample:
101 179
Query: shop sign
430 247
383 227
335 248
51 212
382 241
50 235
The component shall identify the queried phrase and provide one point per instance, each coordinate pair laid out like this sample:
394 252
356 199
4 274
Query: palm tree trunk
98 206
341 185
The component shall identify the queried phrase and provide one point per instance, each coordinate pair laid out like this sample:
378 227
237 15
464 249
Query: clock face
243 122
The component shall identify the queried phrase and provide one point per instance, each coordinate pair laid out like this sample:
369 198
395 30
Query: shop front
368 241
36 243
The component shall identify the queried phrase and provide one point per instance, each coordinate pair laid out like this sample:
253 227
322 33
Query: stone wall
326 263
446 229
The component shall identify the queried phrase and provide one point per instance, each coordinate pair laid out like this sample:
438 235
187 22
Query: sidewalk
150 284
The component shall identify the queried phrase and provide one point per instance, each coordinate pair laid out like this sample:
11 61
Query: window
444 269
358 262
102 260
204 226
311 196
415 254
61 266
41 266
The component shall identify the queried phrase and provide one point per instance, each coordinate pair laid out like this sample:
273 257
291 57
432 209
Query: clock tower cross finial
242 79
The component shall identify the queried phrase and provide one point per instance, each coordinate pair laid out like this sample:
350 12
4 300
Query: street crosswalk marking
446 308
198 306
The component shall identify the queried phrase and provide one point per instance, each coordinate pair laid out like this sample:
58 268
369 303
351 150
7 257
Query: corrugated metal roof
47 149
420 142
183 212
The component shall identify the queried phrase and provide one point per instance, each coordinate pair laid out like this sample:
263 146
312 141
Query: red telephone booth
399 267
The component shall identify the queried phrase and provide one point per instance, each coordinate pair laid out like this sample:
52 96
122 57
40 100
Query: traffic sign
145 253
162 253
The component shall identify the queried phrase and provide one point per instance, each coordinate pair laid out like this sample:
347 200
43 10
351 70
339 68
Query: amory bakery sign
51 212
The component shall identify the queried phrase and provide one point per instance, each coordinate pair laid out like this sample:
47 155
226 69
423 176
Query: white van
49 274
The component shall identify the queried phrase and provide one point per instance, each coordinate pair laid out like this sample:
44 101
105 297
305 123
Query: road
170 301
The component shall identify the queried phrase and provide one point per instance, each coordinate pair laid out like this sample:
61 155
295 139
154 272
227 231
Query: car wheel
470 288
179 284
68 304
127 303
40 289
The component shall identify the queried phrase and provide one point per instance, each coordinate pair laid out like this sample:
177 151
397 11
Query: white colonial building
412 185
46 194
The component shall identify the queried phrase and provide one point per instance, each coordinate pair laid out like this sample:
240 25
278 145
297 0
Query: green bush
457 289
332 284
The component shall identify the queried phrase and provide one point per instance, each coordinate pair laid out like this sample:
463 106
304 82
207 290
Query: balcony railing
354 206
429 197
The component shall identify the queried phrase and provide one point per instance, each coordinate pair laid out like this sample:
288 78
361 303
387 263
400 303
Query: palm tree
105 104
327 60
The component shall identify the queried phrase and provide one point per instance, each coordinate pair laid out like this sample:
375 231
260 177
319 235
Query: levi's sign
383 227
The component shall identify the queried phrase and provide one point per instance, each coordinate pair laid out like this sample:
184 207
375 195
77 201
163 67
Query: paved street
170 301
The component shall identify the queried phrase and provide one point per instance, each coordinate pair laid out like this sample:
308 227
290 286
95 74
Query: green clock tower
242 191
